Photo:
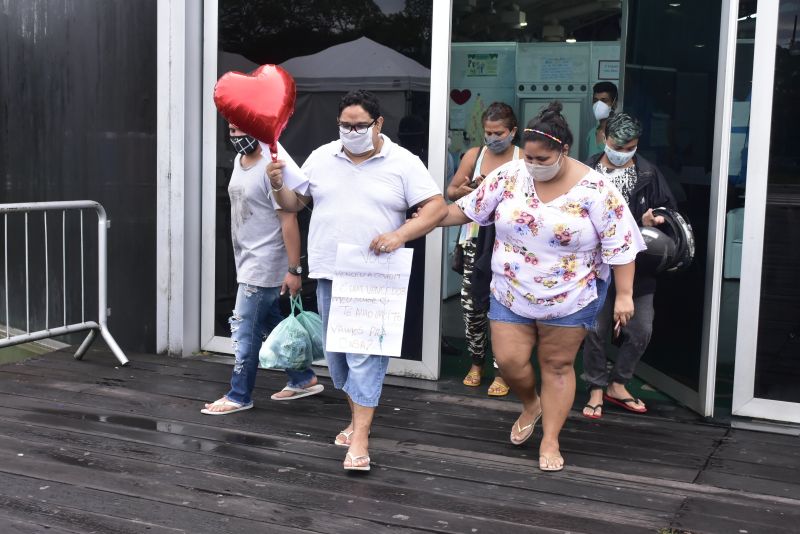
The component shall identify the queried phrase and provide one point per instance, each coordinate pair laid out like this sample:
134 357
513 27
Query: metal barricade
101 325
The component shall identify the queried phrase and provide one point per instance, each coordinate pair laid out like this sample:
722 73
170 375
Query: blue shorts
359 375
585 317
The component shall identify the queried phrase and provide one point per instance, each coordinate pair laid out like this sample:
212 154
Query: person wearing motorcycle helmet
644 189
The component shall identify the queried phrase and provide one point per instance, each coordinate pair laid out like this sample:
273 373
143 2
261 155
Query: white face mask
357 143
544 173
601 110
617 158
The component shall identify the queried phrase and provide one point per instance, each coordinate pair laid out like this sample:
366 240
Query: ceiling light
675 4
571 40
523 24
700 45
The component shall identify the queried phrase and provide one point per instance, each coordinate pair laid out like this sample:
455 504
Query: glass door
389 48
677 74
523 55
767 371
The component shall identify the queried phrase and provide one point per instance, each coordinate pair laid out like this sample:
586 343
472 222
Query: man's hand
386 243
275 174
648 219
292 282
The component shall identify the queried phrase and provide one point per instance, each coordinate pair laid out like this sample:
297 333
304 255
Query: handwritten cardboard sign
368 301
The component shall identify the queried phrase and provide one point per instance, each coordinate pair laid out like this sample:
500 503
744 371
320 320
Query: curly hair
362 98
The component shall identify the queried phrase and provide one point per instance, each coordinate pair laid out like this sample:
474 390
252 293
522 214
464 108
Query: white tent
323 78
362 63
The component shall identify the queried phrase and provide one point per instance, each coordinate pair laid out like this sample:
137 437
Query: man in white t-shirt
362 185
266 249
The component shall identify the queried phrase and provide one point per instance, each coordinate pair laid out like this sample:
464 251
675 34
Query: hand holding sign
368 301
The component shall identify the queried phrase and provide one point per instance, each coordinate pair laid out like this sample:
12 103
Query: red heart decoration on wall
460 96
259 103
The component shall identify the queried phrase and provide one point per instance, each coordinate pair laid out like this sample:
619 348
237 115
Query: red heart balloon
460 97
259 103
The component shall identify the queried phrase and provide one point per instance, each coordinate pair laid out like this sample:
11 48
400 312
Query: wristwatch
296 270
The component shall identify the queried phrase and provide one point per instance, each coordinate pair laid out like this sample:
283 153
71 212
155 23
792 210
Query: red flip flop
623 403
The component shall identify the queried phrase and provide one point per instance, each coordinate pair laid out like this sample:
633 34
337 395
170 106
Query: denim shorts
585 317
359 375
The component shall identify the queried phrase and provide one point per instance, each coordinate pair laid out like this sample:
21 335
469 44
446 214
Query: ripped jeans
257 313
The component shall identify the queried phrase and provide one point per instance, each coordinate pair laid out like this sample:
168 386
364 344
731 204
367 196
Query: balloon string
273 151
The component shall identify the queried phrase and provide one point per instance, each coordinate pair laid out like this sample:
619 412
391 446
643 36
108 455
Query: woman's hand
623 309
385 243
414 214
464 188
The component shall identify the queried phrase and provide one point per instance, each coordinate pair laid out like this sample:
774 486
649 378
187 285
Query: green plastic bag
288 346
312 322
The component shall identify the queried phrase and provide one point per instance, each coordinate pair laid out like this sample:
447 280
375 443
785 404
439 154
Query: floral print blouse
548 255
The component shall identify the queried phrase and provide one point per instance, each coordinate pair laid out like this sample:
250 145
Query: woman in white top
500 129
560 228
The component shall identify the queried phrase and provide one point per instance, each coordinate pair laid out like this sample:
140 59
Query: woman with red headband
560 230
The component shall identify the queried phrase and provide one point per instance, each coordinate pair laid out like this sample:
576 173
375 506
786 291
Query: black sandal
595 407
594 411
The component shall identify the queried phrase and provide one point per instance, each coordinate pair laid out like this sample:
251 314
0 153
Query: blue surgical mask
498 144
617 158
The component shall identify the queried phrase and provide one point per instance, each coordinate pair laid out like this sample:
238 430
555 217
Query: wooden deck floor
88 447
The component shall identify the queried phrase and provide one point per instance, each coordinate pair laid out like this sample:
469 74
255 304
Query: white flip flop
237 407
346 438
299 393
353 460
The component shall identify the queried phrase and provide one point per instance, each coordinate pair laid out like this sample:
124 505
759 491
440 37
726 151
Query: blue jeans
257 312
586 317
359 375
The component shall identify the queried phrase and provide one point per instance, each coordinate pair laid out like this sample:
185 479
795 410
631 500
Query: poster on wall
481 65
368 301
607 70
555 69
458 118
553 63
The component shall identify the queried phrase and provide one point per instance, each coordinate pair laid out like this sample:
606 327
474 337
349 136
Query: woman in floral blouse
560 229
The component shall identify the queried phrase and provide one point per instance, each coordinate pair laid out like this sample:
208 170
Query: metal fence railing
16 335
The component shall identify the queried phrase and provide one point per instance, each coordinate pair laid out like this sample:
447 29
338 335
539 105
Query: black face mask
244 144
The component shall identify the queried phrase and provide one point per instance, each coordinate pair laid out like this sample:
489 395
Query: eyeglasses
345 127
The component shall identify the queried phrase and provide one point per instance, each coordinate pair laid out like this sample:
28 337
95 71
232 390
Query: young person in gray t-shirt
266 248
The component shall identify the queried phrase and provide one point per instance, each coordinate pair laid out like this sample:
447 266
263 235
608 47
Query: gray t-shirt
258 247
